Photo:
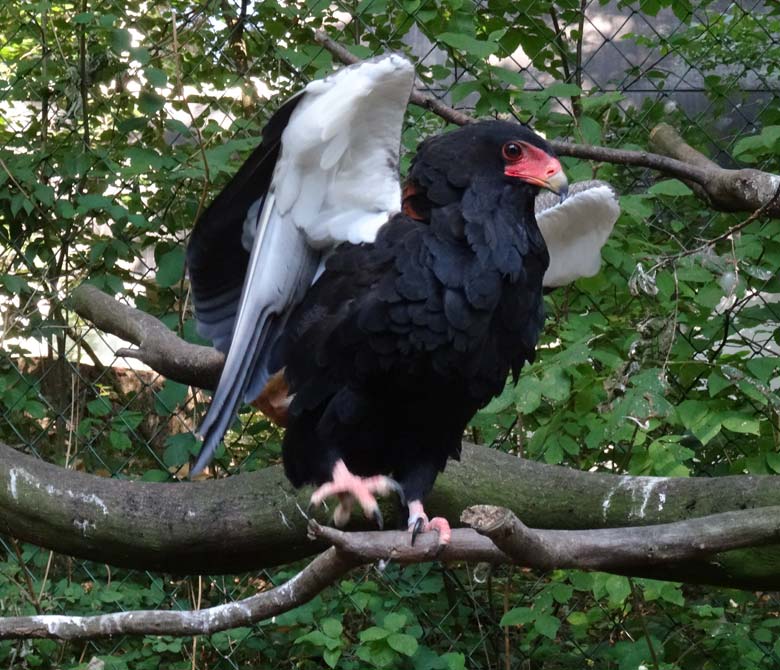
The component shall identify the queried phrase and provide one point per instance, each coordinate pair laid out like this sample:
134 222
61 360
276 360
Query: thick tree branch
744 190
725 190
500 538
256 520
158 346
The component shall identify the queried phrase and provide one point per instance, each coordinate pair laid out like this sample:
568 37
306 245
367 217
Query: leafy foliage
118 122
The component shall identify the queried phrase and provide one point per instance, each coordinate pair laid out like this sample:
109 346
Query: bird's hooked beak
557 183
539 168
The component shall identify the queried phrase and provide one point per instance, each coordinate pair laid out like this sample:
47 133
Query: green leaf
156 476
44 194
672 593
517 616
15 285
402 643
553 452
119 441
760 144
763 367
591 130
594 104
465 88
170 267
394 621
91 201
741 423
562 593
373 633
37 410
555 384
316 638
120 40
636 207
156 77
577 619
547 625
110 595
150 103
65 209
670 187
698 417
454 661
618 588
169 397
377 654
471 45
510 77
747 145
99 407
179 448
331 657
773 461
561 90
331 627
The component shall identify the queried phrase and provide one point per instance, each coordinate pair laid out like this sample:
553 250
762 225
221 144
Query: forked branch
499 537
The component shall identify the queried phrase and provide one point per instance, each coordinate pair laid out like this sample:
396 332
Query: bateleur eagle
383 318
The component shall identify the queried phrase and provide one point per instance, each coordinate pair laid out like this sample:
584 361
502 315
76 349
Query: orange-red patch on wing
274 400
410 191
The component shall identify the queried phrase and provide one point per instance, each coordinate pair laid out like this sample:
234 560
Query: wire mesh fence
120 121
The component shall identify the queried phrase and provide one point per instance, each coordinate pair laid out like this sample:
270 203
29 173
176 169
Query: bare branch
158 347
320 573
624 550
395 545
500 537
725 190
744 190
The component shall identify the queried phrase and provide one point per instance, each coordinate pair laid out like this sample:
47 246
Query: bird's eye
512 151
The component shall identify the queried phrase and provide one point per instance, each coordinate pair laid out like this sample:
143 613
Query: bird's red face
523 160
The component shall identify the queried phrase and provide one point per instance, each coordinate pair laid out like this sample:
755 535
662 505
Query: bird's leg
419 523
349 487
343 510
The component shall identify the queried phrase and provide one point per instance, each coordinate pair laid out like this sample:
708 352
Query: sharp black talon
377 516
395 486
418 527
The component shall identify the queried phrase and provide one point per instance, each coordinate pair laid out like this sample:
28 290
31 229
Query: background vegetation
118 123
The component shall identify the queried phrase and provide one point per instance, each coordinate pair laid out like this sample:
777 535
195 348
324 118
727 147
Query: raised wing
576 229
326 172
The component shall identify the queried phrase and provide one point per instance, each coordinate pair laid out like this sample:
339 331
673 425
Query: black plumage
400 342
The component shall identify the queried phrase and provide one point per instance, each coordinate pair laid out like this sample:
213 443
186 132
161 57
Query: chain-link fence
119 122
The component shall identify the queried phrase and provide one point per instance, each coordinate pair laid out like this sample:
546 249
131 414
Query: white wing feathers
337 176
335 180
576 229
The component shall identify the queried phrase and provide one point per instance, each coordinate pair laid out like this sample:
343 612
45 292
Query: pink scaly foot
419 523
349 487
